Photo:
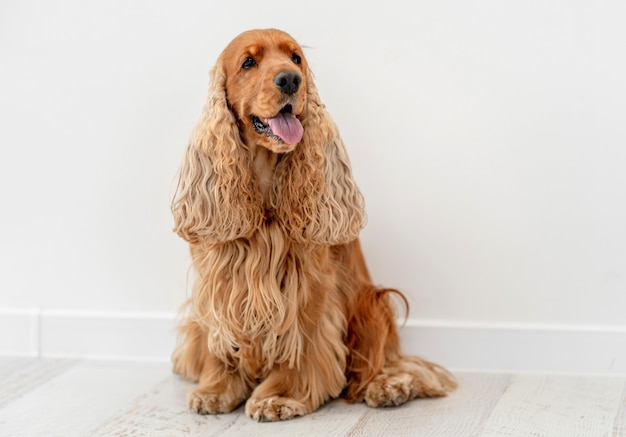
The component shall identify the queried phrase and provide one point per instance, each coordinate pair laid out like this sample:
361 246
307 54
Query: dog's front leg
221 388
279 397
290 391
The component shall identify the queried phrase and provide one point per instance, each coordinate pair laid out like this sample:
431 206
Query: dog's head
266 83
262 93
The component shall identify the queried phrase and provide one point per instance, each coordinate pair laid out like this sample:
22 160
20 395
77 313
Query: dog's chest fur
253 318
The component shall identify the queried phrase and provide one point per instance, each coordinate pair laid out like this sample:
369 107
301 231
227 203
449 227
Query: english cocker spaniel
283 315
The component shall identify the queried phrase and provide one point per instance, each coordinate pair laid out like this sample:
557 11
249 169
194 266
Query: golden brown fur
283 314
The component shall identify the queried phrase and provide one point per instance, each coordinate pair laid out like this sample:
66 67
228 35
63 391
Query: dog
283 314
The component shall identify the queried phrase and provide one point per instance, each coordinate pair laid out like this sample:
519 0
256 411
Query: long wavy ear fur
216 199
315 196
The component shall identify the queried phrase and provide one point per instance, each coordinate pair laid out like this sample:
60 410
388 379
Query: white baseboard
498 347
88 334
457 345
19 332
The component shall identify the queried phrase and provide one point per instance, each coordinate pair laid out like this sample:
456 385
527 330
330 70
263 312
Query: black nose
288 81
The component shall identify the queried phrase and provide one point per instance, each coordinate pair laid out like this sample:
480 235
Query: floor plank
619 428
21 375
69 397
162 411
568 406
78 400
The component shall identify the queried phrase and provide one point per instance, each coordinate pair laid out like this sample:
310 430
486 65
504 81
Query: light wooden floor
46 397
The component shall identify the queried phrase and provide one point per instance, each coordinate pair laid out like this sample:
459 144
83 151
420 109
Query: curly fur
283 314
207 207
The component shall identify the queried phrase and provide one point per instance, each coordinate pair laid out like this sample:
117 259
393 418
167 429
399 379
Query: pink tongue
287 127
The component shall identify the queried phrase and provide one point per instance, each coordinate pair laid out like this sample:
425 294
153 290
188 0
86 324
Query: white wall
488 138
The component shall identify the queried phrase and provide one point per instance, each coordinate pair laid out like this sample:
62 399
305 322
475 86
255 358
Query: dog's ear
315 196
216 199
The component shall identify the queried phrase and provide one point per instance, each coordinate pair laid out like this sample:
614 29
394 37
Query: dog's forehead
257 42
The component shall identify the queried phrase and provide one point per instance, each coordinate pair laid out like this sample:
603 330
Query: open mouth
284 126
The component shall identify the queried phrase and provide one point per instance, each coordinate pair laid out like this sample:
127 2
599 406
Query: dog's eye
248 63
296 58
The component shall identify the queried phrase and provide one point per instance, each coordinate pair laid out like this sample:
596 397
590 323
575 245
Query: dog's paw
210 403
389 391
407 379
274 408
